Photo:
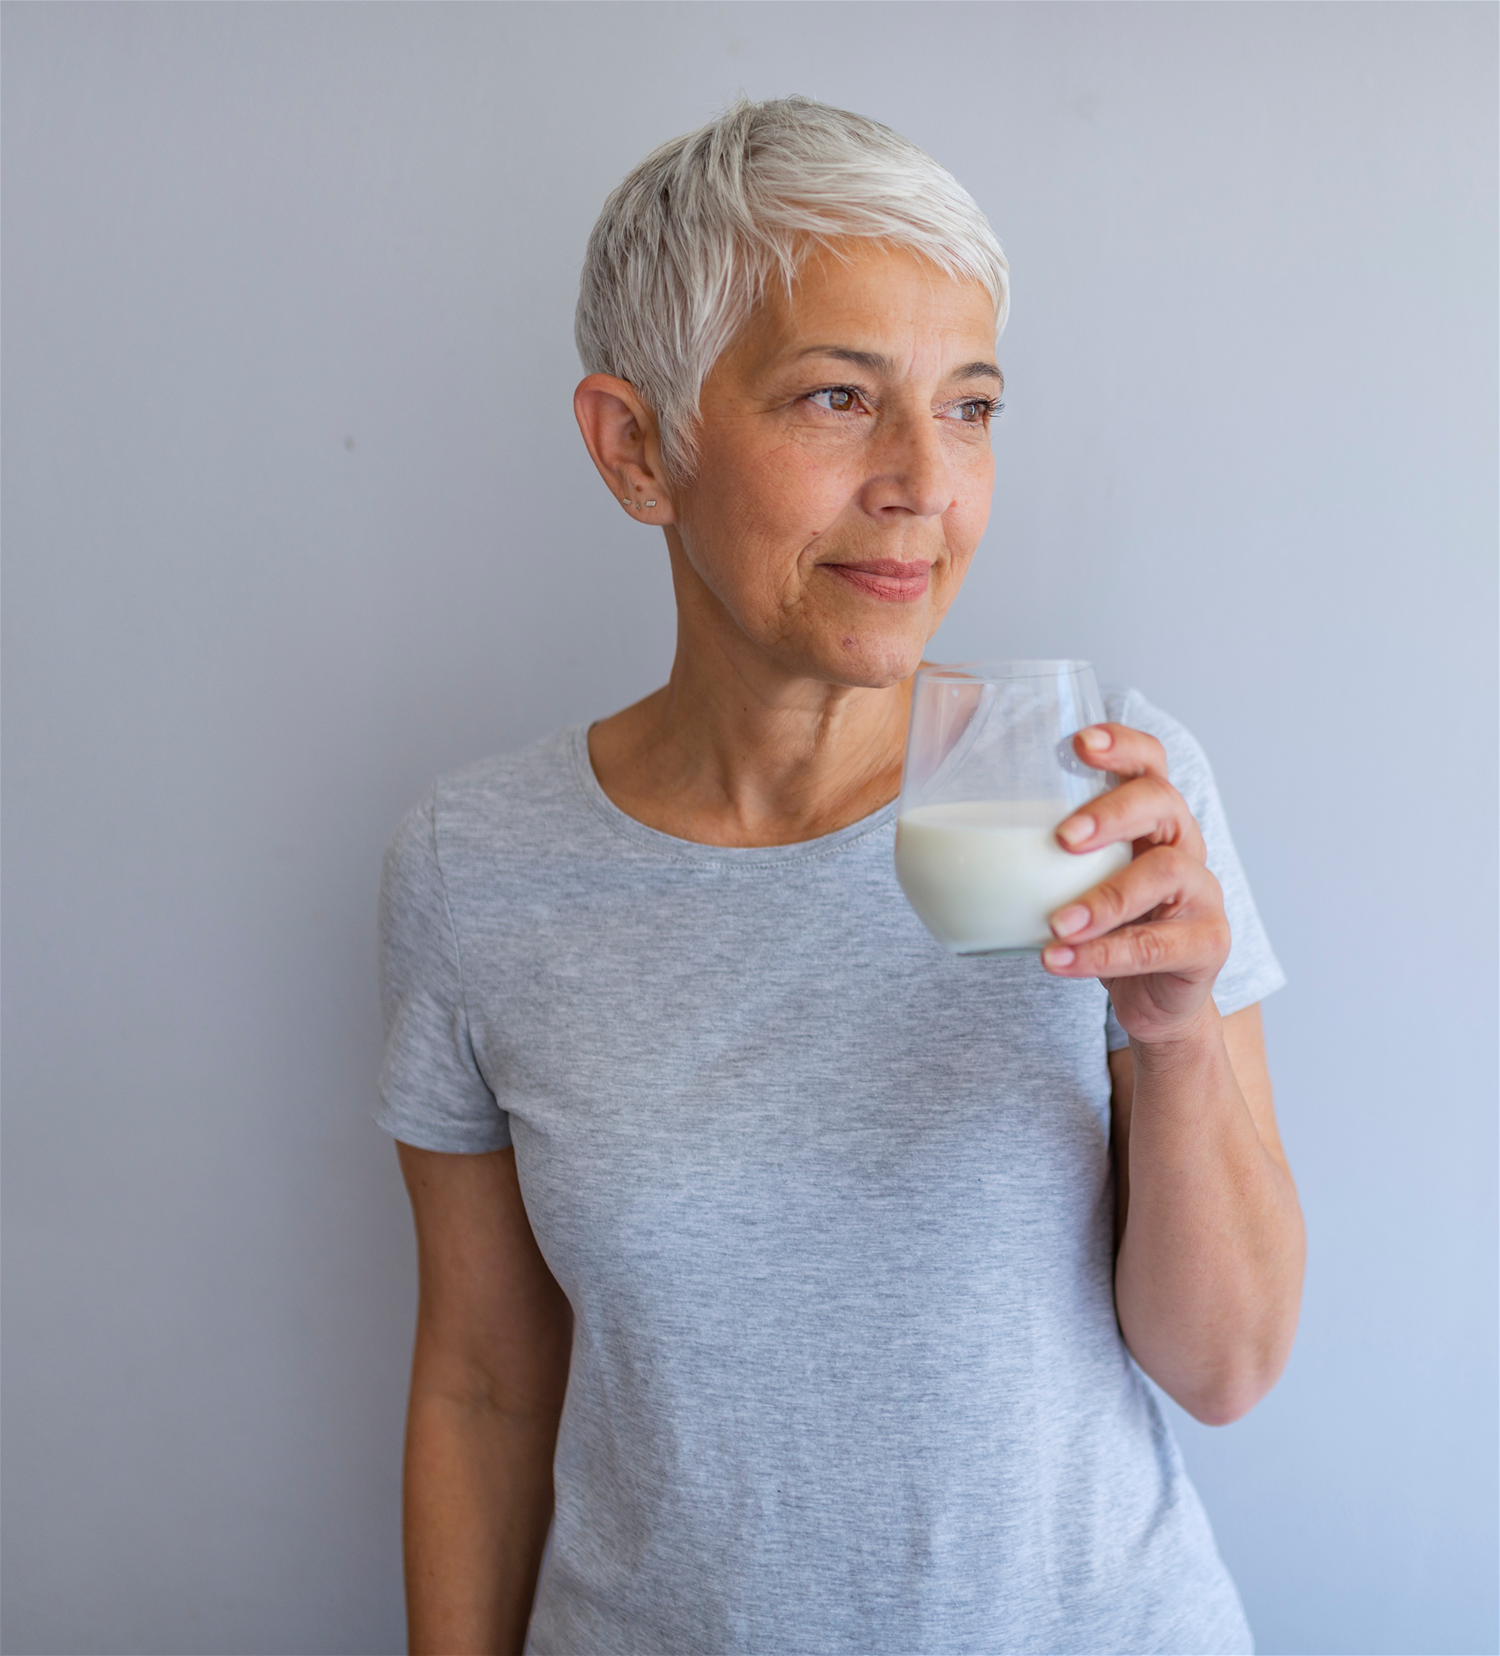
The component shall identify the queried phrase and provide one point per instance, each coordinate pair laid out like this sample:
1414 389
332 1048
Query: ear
624 442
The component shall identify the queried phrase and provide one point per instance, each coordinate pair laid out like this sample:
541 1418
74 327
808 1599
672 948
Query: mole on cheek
849 642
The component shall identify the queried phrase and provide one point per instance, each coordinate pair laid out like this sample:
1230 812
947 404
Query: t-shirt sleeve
1252 971
432 1093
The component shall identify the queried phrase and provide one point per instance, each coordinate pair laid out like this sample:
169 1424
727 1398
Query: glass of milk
990 773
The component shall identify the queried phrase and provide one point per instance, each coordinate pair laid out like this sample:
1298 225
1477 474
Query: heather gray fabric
833 1210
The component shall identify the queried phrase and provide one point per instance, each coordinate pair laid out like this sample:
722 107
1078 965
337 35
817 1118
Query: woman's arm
1209 1267
1208 1273
494 1333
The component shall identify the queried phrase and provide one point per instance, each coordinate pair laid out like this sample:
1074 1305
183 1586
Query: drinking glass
990 772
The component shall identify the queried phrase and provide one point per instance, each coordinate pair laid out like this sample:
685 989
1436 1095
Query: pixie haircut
685 246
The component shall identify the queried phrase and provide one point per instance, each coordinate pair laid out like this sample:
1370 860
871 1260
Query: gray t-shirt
833 1209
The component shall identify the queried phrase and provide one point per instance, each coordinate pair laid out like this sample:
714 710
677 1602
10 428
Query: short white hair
684 247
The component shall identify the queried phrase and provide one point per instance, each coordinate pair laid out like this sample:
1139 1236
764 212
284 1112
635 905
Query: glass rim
970 672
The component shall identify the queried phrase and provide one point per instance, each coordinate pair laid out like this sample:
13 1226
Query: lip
892 580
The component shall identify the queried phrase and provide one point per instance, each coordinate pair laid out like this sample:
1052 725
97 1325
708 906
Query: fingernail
1096 738
1058 957
1076 830
1070 920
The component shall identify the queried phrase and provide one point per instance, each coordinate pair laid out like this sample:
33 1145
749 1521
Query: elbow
1224 1398
1221 1408
1218 1366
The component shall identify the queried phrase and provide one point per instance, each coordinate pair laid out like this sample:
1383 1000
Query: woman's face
845 471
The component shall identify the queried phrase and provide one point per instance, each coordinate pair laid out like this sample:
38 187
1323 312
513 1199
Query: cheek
972 511
795 490
737 524
762 511
955 571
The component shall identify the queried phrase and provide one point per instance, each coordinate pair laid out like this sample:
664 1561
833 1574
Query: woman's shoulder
1123 704
521 780
1252 971
497 805
1187 764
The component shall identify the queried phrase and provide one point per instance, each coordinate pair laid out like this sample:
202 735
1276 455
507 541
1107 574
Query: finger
1164 883
1146 808
1191 949
1120 750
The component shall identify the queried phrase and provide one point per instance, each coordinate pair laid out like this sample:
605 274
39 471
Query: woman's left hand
1155 934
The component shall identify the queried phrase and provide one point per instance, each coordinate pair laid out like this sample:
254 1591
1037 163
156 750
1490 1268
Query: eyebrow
878 364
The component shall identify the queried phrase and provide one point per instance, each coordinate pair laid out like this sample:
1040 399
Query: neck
734 750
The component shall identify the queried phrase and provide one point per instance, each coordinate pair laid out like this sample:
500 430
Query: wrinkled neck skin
736 750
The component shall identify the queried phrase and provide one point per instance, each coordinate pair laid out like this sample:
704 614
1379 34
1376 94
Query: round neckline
683 850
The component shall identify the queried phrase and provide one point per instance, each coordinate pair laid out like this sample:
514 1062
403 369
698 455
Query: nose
910 471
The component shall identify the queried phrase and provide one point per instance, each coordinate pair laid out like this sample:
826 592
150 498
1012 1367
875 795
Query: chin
867 662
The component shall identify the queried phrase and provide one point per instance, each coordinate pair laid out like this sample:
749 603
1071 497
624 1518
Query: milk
983 876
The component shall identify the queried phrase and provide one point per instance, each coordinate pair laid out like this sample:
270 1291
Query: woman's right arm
494 1333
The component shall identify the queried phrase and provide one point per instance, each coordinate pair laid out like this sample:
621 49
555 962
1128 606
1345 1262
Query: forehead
864 295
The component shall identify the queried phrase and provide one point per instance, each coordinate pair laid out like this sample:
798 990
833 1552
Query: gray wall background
296 517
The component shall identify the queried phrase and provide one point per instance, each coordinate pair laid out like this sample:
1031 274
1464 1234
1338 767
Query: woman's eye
837 399
976 410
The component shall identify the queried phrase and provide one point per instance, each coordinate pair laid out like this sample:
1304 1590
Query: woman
804 1261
